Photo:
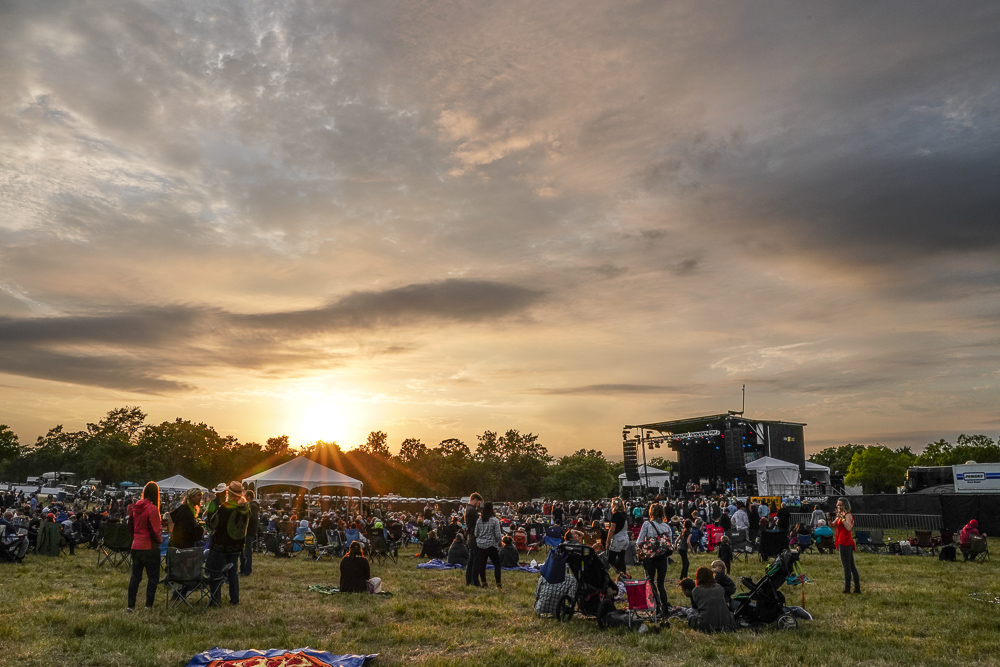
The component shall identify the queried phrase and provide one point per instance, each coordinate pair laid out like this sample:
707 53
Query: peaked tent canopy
773 475
178 483
303 473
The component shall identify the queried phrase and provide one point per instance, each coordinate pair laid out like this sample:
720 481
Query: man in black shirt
471 518
246 556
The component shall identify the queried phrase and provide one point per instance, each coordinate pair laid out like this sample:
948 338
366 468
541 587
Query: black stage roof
698 422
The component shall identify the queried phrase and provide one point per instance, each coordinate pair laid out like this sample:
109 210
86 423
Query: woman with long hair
356 574
844 541
144 522
709 600
656 566
488 535
617 540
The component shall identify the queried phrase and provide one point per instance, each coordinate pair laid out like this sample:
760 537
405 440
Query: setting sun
327 419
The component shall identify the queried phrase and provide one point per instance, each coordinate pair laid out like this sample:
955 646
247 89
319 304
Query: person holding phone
844 541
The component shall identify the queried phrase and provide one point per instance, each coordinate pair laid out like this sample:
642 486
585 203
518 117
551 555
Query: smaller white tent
305 474
657 477
774 476
818 472
178 484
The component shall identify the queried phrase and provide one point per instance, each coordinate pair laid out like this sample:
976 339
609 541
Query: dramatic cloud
560 217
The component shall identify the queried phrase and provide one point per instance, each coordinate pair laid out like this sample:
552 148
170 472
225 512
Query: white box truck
972 477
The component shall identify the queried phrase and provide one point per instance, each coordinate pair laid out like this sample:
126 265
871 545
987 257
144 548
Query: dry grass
914 611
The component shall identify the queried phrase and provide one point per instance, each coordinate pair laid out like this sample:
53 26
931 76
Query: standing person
487 545
817 516
229 532
683 546
144 521
187 531
471 519
656 566
617 539
844 541
253 525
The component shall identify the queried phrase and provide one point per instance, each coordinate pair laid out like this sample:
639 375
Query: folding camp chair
979 549
876 541
521 542
925 543
12 547
742 548
332 548
864 541
805 543
379 549
114 545
641 602
185 578
309 545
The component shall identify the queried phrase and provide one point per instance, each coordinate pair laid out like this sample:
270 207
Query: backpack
947 553
236 526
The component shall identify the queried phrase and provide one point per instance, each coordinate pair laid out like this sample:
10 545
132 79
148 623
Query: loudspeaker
735 463
631 458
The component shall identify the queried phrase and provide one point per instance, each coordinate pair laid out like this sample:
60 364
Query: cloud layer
559 217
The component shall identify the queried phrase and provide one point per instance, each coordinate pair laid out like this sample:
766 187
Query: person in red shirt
145 522
844 541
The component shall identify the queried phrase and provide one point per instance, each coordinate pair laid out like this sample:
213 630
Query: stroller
764 603
592 578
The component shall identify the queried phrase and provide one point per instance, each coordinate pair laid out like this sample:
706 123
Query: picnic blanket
276 657
438 564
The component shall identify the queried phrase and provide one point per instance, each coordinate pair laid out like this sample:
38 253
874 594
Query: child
723 579
725 553
509 557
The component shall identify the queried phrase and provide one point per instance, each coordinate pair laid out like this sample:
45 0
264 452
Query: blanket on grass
437 564
276 657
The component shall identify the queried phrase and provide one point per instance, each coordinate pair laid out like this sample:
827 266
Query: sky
439 218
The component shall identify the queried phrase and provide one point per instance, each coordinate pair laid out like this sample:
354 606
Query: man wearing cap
229 531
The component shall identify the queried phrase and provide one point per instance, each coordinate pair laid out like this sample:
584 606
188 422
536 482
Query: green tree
10 446
584 475
879 469
412 449
377 445
837 459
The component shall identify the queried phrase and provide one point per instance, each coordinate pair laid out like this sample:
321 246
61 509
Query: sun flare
329 420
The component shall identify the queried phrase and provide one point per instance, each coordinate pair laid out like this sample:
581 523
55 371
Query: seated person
970 530
823 535
724 580
50 539
459 554
547 596
431 547
356 574
509 557
300 535
709 600
286 527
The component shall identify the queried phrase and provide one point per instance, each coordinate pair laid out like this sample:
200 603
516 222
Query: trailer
972 477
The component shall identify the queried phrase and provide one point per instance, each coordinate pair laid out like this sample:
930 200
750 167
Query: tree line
122 446
879 469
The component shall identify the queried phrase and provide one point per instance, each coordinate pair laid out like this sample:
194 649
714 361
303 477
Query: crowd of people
231 525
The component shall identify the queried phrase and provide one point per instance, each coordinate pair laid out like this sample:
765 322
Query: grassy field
914 610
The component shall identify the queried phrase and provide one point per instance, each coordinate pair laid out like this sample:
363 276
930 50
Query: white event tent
178 484
774 476
305 474
818 472
657 477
